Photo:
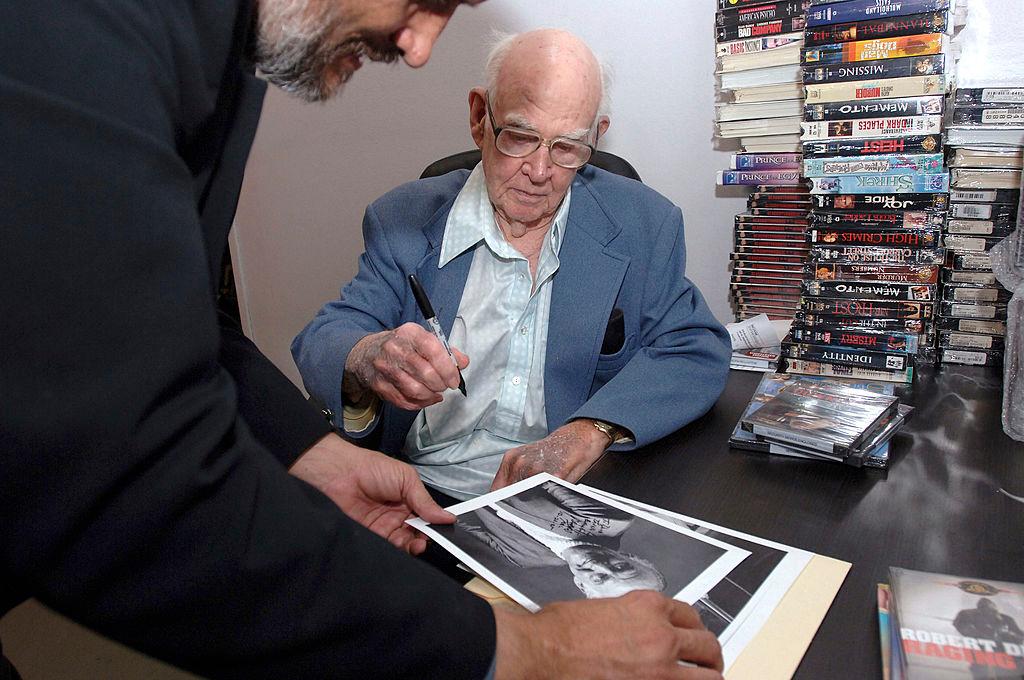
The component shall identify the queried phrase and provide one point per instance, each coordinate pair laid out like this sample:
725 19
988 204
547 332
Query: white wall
313 169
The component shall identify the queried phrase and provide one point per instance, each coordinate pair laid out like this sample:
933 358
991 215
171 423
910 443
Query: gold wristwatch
612 431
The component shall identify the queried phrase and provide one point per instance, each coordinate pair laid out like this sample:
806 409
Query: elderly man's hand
565 453
407 367
378 492
640 635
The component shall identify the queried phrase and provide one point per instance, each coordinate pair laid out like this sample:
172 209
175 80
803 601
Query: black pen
428 312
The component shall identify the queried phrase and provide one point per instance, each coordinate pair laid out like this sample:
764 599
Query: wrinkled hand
640 635
565 453
407 367
378 492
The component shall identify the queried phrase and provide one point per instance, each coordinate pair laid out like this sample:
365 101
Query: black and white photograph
542 541
736 607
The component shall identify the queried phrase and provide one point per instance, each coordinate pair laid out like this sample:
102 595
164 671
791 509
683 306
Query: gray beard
294 52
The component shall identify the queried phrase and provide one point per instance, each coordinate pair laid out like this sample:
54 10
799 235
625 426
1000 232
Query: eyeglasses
518 143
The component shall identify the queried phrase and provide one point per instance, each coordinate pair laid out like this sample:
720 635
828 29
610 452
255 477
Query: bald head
548 59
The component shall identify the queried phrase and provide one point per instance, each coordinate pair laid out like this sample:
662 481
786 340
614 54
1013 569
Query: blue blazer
623 247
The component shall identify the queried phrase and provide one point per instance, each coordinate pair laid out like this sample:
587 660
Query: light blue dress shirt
502 325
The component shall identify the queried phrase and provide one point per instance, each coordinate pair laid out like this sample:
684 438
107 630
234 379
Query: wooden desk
937 508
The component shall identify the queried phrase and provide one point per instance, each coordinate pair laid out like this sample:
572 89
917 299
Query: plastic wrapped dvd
833 418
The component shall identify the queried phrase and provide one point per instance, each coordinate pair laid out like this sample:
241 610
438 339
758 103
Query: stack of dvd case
983 210
826 419
875 76
758 46
769 249
758 50
877 452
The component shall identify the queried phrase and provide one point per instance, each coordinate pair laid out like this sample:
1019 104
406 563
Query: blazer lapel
589 276
444 288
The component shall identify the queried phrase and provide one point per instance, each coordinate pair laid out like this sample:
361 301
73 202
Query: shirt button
516 380
523 330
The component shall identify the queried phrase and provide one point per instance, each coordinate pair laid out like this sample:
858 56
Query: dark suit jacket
143 488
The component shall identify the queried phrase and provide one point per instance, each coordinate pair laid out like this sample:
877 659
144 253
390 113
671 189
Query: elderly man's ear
478 115
602 126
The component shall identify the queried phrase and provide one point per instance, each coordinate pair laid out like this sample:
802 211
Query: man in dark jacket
144 447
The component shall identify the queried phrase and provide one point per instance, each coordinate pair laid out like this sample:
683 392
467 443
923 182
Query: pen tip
462 385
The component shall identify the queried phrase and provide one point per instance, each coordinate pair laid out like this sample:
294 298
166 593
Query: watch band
611 431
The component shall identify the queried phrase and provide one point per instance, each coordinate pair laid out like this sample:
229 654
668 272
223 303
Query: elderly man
561 286
144 486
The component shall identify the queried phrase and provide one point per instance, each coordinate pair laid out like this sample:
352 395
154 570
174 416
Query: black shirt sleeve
134 497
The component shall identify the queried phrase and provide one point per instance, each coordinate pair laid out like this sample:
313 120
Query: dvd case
988 95
833 418
883 309
875 108
901 67
864 358
884 341
1001 213
861 10
755 45
754 177
766 11
949 626
988 115
991 327
761 29
883 273
765 161
914 24
985 195
848 219
889 126
890 164
875 49
919 201
817 368
911 144
869 290
879 88
880 184
969 357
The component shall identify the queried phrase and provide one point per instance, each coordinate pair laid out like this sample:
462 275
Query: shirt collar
471 220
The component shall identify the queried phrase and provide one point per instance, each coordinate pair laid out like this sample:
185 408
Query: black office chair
468 159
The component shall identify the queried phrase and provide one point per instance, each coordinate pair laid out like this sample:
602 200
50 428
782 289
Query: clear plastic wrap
1008 266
